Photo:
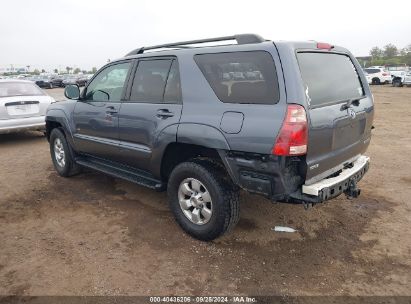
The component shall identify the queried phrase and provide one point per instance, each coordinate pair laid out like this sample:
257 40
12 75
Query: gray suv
287 120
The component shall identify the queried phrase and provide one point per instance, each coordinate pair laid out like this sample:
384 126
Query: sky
53 34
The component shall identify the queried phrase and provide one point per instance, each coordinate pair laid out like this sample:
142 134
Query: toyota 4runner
287 120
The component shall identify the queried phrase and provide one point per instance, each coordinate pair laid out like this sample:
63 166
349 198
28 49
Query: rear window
329 78
241 77
8 89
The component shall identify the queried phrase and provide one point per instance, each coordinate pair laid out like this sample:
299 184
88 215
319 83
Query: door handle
111 110
164 113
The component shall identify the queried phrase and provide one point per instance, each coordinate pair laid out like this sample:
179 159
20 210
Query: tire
376 81
396 83
65 165
223 199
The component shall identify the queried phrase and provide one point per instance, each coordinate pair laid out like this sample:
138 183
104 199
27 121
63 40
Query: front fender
59 116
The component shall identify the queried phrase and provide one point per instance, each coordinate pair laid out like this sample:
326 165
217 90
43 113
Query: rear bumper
21 124
282 179
331 187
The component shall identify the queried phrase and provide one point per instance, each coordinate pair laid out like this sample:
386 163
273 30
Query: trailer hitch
352 191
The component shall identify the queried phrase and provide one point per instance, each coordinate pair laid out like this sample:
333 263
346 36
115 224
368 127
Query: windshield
329 78
8 89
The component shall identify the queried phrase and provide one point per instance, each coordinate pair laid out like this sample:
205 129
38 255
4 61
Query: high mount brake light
324 46
293 136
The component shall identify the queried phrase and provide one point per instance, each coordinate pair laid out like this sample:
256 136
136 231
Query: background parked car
84 79
368 77
57 81
407 79
379 75
43 81
23 106
398 74
79 80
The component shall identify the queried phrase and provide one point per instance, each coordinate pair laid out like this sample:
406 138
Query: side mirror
72 91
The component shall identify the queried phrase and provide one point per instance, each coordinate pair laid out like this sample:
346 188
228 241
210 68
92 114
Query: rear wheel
376 81
61 154
203 200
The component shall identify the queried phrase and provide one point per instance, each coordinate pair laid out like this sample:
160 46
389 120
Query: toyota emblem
351 113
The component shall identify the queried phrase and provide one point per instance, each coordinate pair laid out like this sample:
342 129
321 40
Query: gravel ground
95 235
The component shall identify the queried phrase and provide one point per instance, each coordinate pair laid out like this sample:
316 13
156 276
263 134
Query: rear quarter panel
203 110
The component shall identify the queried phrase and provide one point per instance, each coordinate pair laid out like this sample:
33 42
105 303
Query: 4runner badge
314 166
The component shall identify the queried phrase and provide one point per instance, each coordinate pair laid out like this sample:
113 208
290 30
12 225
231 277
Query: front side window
241 77
109 84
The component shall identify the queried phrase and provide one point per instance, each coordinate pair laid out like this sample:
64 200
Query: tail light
385 74
293 136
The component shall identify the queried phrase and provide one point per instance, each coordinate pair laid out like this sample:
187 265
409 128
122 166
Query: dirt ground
95 235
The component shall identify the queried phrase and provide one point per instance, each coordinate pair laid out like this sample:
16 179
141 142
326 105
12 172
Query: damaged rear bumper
328 188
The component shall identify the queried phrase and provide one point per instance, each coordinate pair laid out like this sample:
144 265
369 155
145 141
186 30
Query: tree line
390 55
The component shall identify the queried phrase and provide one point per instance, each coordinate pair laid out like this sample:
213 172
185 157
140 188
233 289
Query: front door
152 110
96 113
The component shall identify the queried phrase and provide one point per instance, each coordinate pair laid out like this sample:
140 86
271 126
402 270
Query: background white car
379 75
398 74
368 77
23 106
407 79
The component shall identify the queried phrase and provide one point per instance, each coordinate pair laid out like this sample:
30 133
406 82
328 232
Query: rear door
154 105
340 112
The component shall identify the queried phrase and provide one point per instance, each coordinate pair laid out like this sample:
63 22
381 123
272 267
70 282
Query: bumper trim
20 124
330 187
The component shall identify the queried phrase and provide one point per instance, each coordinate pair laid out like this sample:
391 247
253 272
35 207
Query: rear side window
156 81
172 92
329 78
372 71
241 77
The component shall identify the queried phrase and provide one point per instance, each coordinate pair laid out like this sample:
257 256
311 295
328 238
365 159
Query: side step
136 176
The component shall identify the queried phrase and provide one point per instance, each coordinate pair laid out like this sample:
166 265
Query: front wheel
61 155
203 200
397 83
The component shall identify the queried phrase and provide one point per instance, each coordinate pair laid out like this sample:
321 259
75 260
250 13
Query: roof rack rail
241 39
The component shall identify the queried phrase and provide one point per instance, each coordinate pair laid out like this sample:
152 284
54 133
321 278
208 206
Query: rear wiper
351 101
